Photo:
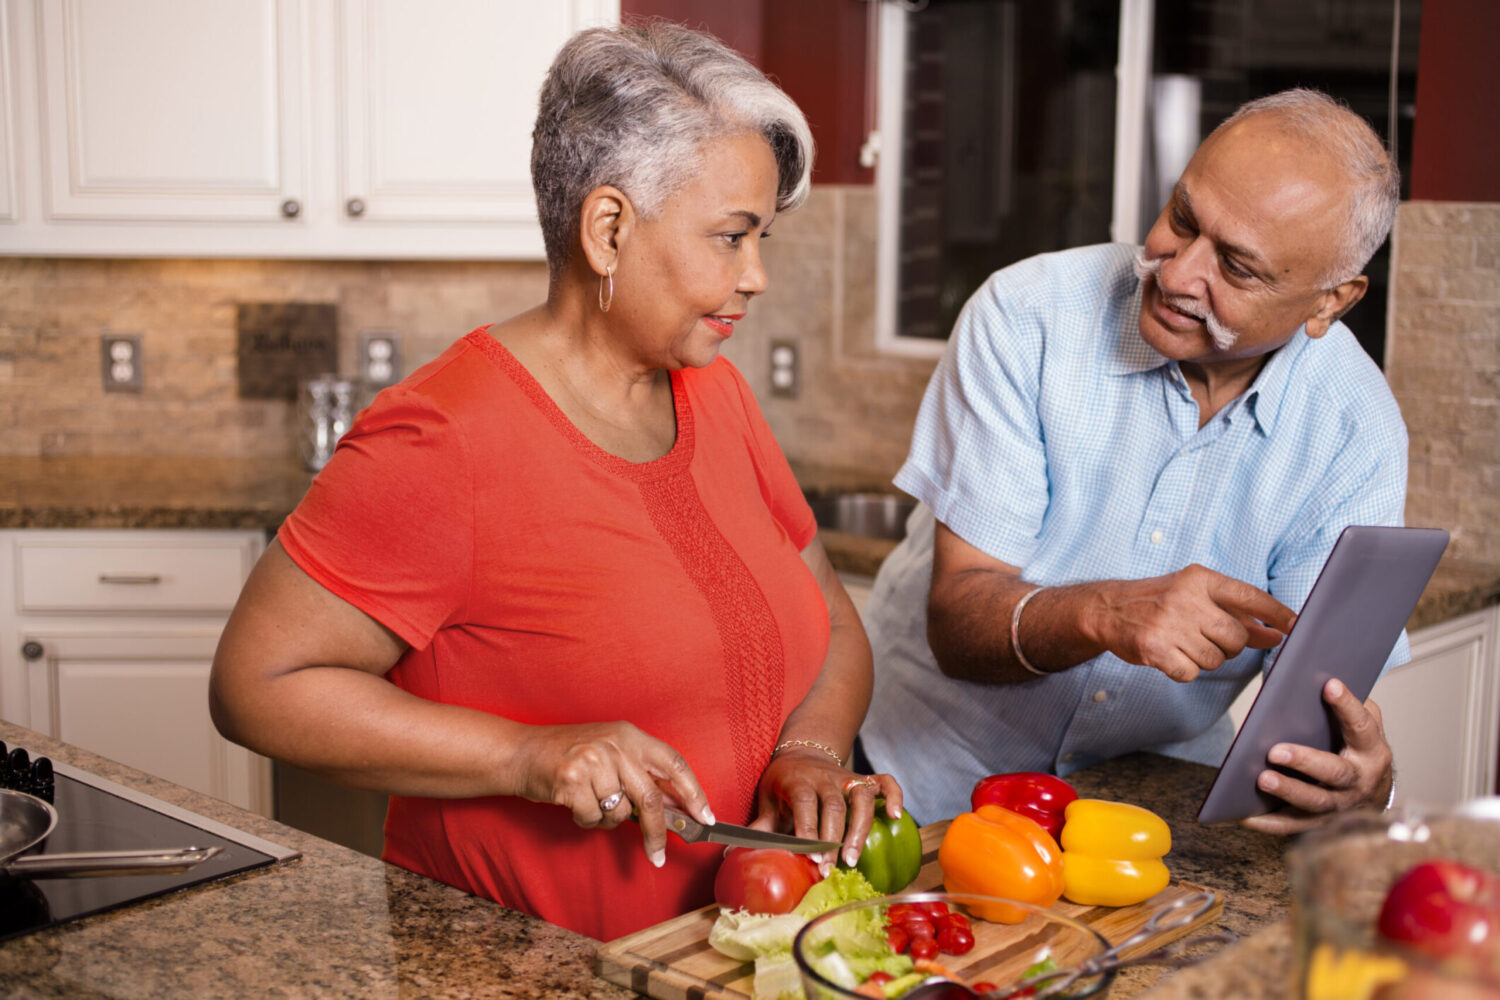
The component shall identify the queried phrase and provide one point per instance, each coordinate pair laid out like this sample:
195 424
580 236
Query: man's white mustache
1222 336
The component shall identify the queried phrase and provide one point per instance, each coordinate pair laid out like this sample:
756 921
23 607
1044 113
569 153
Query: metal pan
25 821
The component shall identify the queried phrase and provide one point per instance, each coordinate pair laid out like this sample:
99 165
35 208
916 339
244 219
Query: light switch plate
120 357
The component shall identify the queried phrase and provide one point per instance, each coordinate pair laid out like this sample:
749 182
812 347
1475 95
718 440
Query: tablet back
1347 628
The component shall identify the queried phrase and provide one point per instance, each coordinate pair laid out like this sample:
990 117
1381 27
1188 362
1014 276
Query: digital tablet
1347 628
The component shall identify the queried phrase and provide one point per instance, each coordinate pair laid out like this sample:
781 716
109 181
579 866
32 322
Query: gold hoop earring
609 277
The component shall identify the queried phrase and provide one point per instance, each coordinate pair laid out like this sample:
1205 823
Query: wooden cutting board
673 961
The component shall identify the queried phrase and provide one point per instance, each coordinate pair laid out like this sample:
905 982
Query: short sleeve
388 524
977 457
783 495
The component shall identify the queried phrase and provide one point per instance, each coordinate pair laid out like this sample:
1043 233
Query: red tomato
880 978
952 920
763 880
898 912
1445 909
919 930
955 940
898 938
933 909
984 986
925 948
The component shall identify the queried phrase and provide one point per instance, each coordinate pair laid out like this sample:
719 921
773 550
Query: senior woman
563 573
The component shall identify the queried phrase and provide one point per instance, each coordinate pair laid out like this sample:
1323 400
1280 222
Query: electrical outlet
785 377
121 360
379 359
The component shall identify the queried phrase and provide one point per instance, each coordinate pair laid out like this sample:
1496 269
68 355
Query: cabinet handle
355 207
291 208
32 650
130 578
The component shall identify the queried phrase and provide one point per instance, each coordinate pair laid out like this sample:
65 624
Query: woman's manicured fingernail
658 858
708 816
850 857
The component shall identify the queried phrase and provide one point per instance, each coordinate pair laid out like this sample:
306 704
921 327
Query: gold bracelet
830 751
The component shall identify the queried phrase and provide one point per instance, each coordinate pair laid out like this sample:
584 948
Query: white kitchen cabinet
106 642
1441 710
286 128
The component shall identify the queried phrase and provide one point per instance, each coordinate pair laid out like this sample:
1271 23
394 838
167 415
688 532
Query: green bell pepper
892 855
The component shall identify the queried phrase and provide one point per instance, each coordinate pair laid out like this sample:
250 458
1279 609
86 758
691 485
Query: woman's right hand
591 766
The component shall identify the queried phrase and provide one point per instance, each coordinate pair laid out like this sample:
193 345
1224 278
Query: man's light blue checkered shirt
1053 438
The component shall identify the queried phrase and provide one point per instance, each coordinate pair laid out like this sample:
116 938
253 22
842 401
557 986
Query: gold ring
867 780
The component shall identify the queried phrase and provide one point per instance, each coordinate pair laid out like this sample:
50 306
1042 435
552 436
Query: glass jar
325 409
1340 876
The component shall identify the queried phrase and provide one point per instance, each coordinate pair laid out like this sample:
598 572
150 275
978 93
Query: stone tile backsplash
851 421
1443 361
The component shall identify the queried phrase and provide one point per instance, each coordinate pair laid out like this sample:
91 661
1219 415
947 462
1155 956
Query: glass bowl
1340 875
1001 954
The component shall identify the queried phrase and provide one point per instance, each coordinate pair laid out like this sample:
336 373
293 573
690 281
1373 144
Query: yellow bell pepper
1112 853
995 852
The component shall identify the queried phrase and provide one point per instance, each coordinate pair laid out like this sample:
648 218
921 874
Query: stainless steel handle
149 861
291 208
355 207
130 578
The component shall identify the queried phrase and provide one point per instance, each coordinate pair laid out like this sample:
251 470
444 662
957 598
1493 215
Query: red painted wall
816 51
1455 154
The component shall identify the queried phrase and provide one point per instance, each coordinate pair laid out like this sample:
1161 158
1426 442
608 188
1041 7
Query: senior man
1132 464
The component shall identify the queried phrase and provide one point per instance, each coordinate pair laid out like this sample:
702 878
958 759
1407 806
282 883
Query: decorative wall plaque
282 343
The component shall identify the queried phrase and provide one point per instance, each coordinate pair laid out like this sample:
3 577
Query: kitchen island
336 923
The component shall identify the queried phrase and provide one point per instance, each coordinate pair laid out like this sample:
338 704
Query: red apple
1446 911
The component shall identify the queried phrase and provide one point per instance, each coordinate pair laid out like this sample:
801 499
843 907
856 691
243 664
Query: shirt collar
1133 356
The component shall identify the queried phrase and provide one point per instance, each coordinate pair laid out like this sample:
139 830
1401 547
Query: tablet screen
1347 628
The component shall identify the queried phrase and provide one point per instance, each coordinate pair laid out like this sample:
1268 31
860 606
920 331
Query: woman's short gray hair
1375 180
633 106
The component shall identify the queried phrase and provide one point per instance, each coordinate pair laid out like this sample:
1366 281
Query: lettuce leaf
844 950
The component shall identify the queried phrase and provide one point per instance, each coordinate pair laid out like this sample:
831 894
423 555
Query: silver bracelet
1015 632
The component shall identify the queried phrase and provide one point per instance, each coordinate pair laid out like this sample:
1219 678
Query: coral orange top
540 578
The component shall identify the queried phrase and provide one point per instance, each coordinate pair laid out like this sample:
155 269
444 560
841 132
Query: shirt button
1101 696
1156 537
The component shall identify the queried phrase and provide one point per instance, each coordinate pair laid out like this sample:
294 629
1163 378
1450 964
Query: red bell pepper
1040 797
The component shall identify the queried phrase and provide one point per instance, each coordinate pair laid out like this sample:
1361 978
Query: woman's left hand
803 792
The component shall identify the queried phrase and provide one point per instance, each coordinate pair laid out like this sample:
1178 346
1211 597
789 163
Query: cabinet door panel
160 110
435 101
141 698
1440 712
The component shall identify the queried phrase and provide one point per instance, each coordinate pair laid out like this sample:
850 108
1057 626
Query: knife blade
695 832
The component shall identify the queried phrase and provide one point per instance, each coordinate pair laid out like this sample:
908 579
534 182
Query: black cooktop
94 814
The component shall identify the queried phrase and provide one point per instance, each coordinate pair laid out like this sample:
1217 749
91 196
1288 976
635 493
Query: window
1015 127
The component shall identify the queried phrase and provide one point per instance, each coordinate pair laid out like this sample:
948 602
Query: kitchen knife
695 832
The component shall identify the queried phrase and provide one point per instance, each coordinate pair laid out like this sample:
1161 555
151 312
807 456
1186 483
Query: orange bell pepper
995 852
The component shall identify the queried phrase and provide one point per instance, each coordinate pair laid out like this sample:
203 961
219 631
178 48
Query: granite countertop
258 493
336 923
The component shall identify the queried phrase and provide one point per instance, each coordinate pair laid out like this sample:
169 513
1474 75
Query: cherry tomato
898 938
952 920
763 880
898 912
984 986
920 930
924 948
934 909
955 940
879 977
